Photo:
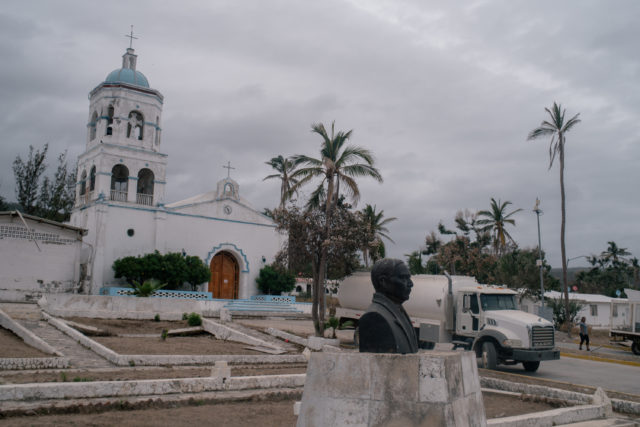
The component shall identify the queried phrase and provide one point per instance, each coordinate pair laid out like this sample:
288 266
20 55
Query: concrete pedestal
429 388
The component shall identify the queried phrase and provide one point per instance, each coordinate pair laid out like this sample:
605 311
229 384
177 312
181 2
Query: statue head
392 278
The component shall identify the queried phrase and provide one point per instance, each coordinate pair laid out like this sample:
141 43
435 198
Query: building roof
594 298
127 75
34 218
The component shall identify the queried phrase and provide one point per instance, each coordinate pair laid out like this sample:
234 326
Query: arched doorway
225 275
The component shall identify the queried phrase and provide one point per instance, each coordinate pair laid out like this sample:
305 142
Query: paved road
609 376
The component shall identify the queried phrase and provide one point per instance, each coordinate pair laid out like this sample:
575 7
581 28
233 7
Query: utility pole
538 211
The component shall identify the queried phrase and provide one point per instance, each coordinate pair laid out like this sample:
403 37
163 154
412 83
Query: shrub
147 288
173 268
156 318
194 319
275 280
164 334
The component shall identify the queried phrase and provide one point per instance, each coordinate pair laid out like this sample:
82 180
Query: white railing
119 196
144 199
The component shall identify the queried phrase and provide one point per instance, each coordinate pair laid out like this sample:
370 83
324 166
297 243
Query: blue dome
127 75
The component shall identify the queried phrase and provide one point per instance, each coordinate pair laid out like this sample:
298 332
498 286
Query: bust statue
385 327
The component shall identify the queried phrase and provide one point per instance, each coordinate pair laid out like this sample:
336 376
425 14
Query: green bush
147 288
194 319
173 268
275 280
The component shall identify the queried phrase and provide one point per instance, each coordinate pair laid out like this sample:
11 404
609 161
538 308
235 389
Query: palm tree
376 230
614 254
556 128
495 221
285 168
338 164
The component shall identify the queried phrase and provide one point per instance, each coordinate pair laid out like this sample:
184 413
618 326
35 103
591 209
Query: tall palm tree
495 221
375 225
285 167
614 253
338 164
556 128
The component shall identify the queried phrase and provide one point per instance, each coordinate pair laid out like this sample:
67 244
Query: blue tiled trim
108 144
237 250
159 182
162 293
161 208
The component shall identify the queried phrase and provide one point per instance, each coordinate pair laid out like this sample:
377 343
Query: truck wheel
489 357
635 347
356 337
531 366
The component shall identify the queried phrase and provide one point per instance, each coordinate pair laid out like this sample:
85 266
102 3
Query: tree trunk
315 307
562 232
321 271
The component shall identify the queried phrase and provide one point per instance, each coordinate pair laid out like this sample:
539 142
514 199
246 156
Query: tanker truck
459 311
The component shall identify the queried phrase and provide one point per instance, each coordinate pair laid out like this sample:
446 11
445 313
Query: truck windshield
498 302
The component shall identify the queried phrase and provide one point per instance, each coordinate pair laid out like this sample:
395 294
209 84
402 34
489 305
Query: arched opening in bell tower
135 127
119 183
144 195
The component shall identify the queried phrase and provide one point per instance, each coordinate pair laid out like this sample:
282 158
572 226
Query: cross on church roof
131 37
228 167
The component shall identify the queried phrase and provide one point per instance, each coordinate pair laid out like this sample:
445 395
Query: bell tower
122 162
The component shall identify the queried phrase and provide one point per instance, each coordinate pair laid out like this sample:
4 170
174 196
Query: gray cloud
443 94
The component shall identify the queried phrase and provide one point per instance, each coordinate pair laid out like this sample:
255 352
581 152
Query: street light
538 211
576 257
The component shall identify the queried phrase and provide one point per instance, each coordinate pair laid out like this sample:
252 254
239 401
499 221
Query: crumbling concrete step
79 356
262 336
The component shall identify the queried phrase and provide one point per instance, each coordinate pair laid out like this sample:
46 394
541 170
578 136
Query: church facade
120 196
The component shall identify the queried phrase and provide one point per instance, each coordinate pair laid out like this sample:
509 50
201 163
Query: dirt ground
12 346
264 413
122 326
196 345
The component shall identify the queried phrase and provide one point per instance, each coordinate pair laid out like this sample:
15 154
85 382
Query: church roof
127 75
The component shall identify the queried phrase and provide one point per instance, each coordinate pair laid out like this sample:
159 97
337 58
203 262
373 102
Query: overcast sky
443 93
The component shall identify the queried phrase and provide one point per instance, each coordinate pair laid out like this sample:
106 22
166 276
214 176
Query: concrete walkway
28 315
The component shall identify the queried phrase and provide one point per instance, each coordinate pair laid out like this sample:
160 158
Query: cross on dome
131 37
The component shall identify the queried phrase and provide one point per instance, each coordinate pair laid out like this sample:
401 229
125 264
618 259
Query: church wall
205 237
236 211
113 241
172 232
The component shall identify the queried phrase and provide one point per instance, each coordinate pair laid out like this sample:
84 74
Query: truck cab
488 322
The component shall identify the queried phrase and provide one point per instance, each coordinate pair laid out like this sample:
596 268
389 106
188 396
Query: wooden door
224 276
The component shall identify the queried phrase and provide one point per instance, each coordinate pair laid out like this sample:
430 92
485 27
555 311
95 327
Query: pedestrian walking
584 333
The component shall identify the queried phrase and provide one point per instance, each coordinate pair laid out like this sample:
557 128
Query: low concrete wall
622 406
27 336
94 389
108 307
19 363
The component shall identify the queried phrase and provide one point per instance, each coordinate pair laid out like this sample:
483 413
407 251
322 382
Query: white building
595 308
39 256
120 195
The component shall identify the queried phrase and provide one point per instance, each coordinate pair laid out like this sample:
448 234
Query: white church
120 197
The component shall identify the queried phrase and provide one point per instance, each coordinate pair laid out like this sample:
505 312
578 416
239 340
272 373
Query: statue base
429 388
